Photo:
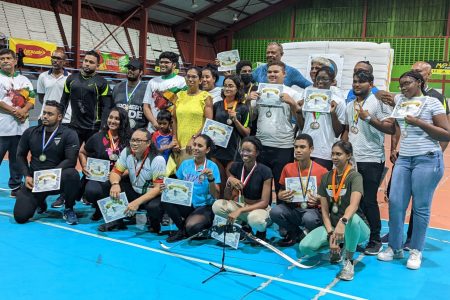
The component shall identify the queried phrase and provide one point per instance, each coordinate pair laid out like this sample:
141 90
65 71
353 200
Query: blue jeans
9 144
416 176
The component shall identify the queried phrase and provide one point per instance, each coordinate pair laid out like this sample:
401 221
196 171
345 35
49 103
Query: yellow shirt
190 112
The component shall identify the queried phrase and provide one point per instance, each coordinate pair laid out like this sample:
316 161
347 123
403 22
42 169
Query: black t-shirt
253 188
435 94
98 146
135 106
61 152
221 115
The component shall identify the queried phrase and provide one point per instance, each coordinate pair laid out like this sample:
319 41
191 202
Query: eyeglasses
192 76
57 58
323 79
138 141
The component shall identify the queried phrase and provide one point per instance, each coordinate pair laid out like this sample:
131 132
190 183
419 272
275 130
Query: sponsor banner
36 52
440 67
115 62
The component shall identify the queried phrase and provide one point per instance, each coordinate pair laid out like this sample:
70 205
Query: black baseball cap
135 63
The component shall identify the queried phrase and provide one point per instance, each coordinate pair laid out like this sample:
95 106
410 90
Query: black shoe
178 236
335 258
260 235
165 220
59 202
97 216
373 248
42 208
114 225
155 227
291 239
385 238
13 193
246 228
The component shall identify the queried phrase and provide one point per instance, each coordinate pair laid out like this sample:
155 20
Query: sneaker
70 216
260 235
13 193
348 271
165 220
335 258
112 226
155 227
407 245
178 236
85 202
246 228
389 254
291 239
373 248
97 215
385 238
414 260
58 203
42 208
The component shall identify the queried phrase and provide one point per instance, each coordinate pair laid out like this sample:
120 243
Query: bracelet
211 180
329 234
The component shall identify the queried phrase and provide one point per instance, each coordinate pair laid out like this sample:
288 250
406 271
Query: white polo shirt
52 87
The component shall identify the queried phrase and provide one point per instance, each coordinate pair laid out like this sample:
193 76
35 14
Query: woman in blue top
417 171
206 178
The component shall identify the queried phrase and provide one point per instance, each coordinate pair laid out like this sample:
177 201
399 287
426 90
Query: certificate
317 100
232 238
177 192
228 60
293 184
113 209
46 180
270 94
220 133
98 168
406 106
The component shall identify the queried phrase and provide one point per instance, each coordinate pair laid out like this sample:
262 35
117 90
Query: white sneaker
414 260
348 271
389 254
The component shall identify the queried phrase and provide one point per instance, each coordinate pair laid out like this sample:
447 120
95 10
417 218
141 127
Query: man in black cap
129 94
52 146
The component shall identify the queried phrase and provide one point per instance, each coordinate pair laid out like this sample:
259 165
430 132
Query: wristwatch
368 119
211 180
344 221
114 183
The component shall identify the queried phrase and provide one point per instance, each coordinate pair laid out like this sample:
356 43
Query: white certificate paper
46 180
98 168
317 100
270 94
177 192
113 209
220 133
232 238
228 60
406 106
293 184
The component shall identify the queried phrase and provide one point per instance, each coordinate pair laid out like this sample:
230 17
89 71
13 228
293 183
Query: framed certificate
293 184
220 133
46 180
317 100
98 168
177 192
406 106
113 209
270 94
228 60
232 238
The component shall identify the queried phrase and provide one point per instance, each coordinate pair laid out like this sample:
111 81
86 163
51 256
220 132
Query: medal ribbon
132 92
336 193
245 179
147 151
113 146
356 112
225 105
44 144
316 116
204 166
304 188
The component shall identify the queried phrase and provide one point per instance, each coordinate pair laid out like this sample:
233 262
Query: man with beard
274 53
129 95
16 99
89 96
51 146
366 123
161 90
50 84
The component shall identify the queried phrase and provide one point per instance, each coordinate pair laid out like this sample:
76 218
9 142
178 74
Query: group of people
337 158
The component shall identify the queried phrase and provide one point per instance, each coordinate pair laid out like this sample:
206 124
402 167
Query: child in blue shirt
163 137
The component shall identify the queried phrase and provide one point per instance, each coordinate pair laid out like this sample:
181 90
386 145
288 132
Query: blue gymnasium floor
48 259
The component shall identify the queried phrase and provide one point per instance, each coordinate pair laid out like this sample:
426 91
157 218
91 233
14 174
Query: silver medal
132 123
268 114
315 125
404 133
335 209
42 157
304 205
229 121
354 130
113 157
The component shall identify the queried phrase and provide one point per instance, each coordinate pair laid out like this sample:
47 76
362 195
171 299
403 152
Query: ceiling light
194 4
235 17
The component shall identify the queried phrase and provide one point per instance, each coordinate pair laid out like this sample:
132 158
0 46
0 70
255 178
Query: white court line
438 228
435 239
185 257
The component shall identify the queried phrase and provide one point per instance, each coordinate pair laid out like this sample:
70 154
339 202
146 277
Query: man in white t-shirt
16 99
366 123
50 84
161 90
274 127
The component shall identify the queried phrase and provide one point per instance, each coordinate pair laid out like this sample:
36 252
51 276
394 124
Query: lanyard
197 169
356 112
132 92
44 144
142 164
225 105
245 179
336 193
316 116
304 188
113 146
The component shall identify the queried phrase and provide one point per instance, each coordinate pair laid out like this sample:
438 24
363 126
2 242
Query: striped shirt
417 141
368 143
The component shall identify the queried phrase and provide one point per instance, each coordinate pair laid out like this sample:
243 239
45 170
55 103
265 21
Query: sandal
111 226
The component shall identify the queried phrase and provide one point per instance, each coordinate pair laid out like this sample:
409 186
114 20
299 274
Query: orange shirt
291 170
